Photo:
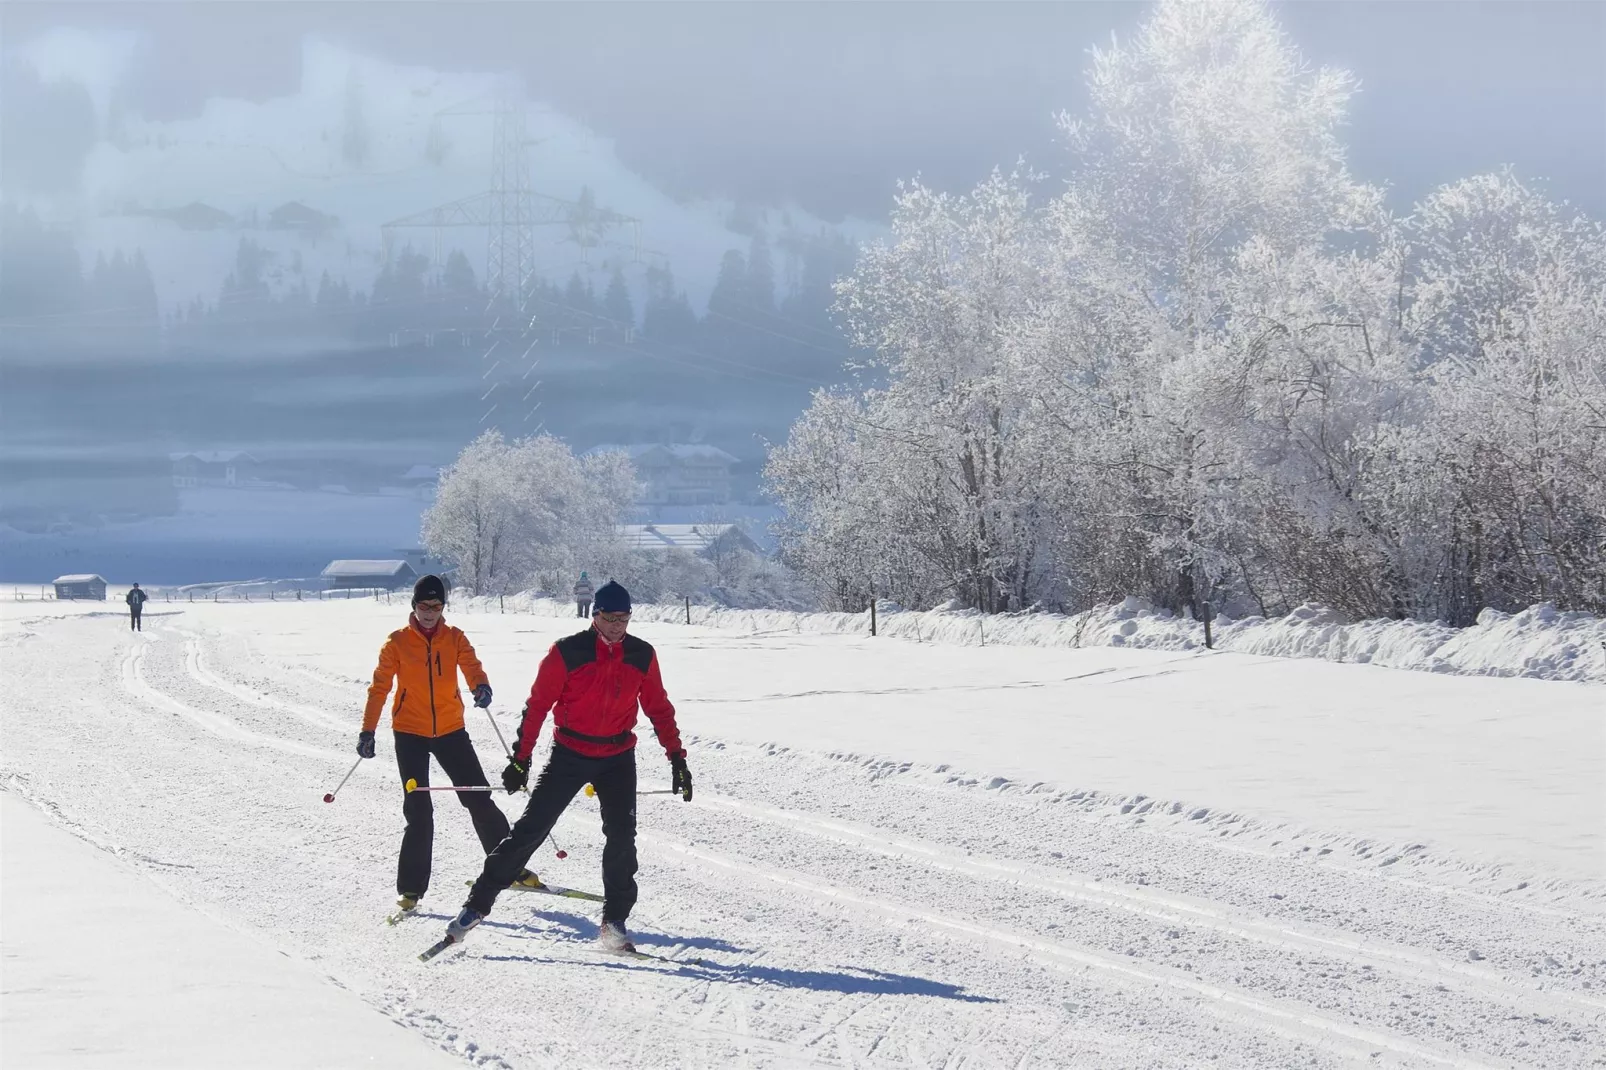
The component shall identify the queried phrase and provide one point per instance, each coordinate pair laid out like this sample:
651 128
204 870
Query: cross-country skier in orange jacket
421 660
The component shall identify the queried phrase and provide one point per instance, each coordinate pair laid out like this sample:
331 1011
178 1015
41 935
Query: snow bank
1541 642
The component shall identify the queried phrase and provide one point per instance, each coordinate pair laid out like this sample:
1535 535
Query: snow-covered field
901 853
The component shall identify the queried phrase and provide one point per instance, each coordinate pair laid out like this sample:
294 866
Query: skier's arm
384 676
659 710
469 662
549 680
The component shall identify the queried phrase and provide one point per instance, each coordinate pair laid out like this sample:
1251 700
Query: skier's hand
515 776
682 776
482 696
365 744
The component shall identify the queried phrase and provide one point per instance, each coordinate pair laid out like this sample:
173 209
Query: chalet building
678 473
80 586
386 575
214 468
704 540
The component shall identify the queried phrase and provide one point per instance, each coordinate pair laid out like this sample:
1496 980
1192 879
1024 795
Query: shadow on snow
571 930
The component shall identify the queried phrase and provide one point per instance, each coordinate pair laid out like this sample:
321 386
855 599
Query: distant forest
769 309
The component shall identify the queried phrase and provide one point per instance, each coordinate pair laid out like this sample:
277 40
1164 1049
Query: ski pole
330 796
591 792
413 785
498 730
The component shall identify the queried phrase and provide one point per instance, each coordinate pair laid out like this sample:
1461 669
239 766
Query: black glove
515 776
682 776
365 744
482 696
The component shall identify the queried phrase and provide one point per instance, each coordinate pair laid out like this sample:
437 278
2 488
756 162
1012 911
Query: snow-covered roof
364 568
691 537
212 456
682 451
79 577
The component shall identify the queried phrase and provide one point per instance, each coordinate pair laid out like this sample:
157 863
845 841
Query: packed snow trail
816 904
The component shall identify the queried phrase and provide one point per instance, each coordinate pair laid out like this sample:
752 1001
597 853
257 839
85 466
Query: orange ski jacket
424 670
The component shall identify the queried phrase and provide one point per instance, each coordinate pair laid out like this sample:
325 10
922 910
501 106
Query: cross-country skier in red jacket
595 679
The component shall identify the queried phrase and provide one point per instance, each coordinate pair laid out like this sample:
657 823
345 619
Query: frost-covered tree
528 513
1213 368
1510 305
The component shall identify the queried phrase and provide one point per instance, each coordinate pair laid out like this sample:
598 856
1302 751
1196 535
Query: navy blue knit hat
611 598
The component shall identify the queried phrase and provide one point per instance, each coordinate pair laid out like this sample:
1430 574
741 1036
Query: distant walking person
136 603
423 659
596 679
582 596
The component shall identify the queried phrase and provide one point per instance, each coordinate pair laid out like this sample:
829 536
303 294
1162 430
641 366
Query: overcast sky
829 103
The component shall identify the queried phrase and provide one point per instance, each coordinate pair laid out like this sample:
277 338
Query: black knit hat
429 588
611 598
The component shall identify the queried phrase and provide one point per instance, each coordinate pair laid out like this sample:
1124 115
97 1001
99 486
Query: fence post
298 594
501 602
872 610
688 609
1205 608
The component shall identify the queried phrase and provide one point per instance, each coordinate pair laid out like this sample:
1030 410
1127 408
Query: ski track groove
196 667
1175 909
134 682
1293 1022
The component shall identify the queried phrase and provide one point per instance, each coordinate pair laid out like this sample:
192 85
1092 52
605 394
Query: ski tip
411 785
591 792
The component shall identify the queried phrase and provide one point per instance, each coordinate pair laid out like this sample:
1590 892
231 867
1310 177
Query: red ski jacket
595 689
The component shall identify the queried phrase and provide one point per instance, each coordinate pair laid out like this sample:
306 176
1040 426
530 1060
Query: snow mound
1541 642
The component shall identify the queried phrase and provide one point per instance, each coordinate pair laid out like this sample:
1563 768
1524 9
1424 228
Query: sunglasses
430 607
613 618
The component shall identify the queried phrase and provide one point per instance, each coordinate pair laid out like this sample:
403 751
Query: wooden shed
386 575
81 585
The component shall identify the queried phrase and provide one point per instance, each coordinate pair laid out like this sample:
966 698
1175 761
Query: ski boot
612 937
527 882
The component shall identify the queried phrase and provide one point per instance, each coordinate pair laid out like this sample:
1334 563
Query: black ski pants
582 608
462 765
133 619
565 774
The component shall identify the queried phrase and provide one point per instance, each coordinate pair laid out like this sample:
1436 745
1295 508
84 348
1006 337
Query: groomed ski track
844 909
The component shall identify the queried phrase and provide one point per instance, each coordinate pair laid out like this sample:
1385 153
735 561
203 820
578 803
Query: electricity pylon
510 210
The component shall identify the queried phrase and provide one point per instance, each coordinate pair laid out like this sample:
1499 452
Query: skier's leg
455 752
616 792
418 841
557 785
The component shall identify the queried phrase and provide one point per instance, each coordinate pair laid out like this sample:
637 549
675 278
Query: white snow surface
900 853
114 971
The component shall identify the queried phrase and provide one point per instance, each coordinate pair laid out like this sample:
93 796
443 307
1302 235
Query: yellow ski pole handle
413 785
591 792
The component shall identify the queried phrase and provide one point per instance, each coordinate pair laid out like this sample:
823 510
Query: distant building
678 474
704 540
293 215
423 480
214 468
387 575
82 585
422 561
